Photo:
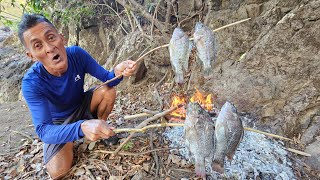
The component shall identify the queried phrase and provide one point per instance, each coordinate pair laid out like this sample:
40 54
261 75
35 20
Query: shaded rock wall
278 78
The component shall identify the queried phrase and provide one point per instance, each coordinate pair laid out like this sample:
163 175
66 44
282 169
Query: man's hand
96 129
126 68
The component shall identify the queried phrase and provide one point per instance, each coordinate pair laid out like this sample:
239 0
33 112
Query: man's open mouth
56 57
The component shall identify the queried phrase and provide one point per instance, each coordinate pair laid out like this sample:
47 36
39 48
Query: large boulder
13 64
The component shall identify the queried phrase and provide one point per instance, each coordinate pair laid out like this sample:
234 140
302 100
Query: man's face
45 44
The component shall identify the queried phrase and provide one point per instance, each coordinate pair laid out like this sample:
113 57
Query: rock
312 131
314 150
140 175
13 65
146 166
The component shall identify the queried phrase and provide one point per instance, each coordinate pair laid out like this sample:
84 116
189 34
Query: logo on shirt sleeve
77 78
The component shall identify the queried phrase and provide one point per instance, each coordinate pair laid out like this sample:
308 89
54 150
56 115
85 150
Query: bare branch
168 15
138 8
143 124
209 5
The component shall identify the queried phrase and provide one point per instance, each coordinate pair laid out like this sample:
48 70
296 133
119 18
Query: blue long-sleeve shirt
50 97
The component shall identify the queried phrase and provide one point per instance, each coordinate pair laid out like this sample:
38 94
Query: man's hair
28 21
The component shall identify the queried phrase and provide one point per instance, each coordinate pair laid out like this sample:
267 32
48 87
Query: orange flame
205 101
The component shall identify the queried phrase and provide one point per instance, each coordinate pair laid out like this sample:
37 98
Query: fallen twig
144 123
128 117
150 111
24 134
163 46
154 154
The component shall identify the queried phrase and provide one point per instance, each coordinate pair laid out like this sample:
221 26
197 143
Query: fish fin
200 168
218 166
208 73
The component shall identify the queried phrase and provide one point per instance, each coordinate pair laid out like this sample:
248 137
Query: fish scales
204 40
199 132
179 49
228 134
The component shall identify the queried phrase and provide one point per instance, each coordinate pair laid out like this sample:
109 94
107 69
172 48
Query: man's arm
93 68
42 120
125 68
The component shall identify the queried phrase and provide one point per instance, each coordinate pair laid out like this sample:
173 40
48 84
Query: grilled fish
204 40
179 49
199 135
228 134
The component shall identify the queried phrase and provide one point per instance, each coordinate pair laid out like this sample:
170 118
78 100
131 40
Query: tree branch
138 8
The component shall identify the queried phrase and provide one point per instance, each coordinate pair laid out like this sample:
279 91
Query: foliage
73 11
128 146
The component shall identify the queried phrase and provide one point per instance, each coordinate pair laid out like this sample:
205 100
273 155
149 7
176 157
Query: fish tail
200 169
207 73
179 78
230 156
218 166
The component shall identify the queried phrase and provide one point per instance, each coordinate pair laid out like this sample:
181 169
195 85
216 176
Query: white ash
257 157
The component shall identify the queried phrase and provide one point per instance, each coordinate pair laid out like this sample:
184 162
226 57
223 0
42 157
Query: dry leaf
92 145
79 172
116 178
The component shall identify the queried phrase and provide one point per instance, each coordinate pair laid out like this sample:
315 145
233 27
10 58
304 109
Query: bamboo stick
166 45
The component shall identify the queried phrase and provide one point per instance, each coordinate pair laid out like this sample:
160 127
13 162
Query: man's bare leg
61 163
102 102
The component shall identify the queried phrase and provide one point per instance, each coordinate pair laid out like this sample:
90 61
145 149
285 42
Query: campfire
206 102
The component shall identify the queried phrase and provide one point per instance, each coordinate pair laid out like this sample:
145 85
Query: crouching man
53 89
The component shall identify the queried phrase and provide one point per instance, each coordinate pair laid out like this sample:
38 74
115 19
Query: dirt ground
16 126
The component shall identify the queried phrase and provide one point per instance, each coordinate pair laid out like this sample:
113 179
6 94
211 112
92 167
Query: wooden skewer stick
143 124
147 127
298 152
182 124
166 45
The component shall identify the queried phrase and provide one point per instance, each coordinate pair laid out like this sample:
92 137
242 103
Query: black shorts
82 113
